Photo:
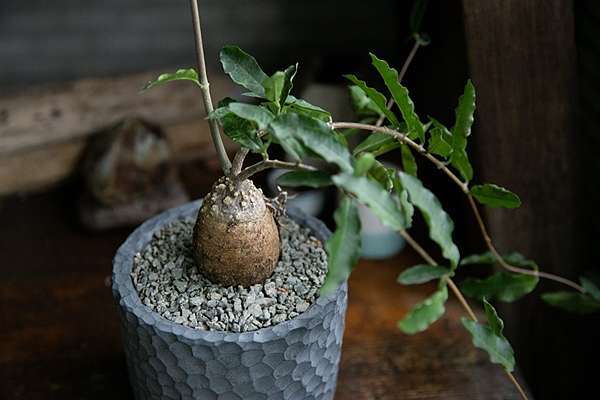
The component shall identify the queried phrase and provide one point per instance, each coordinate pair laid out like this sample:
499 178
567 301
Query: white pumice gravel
168 282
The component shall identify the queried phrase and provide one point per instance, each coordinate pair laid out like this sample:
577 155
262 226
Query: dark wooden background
535 64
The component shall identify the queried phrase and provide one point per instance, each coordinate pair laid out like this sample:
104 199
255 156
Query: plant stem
266 164
465 189
205 88
405 66
423 253
238 161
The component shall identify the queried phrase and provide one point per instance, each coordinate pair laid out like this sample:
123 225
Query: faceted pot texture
297 359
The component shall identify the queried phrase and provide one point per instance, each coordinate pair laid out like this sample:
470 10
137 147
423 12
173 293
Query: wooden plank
49 126
21 172
522 59
49 115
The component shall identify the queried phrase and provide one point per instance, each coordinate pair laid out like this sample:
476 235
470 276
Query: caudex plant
236 240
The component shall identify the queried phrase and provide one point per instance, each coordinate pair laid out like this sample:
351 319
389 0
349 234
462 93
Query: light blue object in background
378 241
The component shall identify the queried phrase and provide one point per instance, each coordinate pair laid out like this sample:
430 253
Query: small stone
169 283
302 306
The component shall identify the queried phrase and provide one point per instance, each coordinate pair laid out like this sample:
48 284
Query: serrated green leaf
361 103
401 97
440 140
343 247
493 320
303 107
241 131
407 208
422 273
260 115
425 313
488 257
405 205
409 164
476 259
243 69
278 86
485 337
293 129
439 222
375 142
381 174
378 98
590 288
572 301
363 164
503 286
313 179
495 196
461 131
180 75
374 196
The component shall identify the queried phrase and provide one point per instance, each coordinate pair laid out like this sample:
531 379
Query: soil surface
168 282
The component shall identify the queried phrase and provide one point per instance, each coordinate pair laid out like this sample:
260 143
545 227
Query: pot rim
127 296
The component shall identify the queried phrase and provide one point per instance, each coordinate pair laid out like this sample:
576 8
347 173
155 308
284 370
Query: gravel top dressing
168 282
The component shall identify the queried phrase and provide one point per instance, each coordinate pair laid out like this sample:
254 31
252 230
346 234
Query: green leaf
181 74
260 115
476 259
425 313
590 288
382 175
407 208
241 131
422 273
440 140
378 98
363 164
293 129
361 103
461 130
379 200
303 107
278 86
405 205
343 247
243 69
408 160
503 286
313 179
400 95
493 320
488 257
572 301
439 222
489 338
374 142
495 196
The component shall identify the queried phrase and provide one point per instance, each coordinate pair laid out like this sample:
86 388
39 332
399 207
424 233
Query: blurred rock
129 176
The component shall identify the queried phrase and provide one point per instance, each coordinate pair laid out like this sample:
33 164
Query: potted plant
236 297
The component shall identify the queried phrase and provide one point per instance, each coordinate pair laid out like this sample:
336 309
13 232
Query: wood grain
44 131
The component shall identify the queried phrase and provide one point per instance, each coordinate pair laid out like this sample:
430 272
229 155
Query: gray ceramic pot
297 359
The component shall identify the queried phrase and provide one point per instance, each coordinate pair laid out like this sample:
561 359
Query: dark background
534 63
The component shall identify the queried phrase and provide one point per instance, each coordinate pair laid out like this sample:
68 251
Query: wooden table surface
59 333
